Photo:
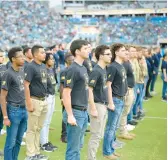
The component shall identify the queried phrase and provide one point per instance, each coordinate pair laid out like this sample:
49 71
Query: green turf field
149 144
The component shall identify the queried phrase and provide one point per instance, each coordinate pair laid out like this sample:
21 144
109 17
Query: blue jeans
75 134
154 77
139 99
111 126
130 115
18 118
164 88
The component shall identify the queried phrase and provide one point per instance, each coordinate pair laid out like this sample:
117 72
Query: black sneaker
133 122
47 148
164 99
52 146
64 139
41 157
146 99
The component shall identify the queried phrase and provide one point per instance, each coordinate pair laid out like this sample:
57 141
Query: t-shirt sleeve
94 76
62 77
29 73
6 81
70 78
111 71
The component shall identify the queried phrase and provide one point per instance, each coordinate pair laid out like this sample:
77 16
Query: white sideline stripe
155 117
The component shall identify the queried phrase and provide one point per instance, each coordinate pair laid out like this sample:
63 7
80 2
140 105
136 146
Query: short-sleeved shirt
130 74
36 74
51 81
93 63
8 64
13 82
25 64
87 63
2 71
77 79
117 75
97 80
62 76
164 66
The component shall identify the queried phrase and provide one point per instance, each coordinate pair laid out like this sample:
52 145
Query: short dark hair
35 48
26 50
47 57
93 51
12 52
115 47
77 44
67 55
100 50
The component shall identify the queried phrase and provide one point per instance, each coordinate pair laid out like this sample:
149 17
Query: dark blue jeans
164 88
1 120
154 77
111 126
75 134
18 118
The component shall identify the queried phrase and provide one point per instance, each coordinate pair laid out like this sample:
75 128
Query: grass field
149 144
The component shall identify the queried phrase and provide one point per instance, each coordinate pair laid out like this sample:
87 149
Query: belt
119 97
79 108
17 105
38 98
104 103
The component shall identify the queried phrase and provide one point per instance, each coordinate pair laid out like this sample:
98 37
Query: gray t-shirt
2 71
37 76
117 75
97 80
77 79
13 82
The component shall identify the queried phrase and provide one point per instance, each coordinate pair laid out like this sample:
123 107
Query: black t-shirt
97 80
87 63
93 64
164 66
25 64
13 82
77 79
51 81
130 75
117 75
37 76
2 71
62 76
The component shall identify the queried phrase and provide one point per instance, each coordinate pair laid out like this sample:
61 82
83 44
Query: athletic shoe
3 132
47 148
1 154
146 99
41 157
130 127
133 122
164 99
117 145
31 158
126 137
23 143
52 146
64 139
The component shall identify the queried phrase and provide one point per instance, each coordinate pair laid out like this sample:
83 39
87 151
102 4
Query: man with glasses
98 99
35 93
14 111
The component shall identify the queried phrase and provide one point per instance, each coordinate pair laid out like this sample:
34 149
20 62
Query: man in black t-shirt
98 99
14 111
93 59
75 99
35 93
117 86
69 58
28 56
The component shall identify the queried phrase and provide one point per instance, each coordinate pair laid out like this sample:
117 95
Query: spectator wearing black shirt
75 99
98 99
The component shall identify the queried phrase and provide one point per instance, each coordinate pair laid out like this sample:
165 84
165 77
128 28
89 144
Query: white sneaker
153 93
23 143
24 136
130 127
3 131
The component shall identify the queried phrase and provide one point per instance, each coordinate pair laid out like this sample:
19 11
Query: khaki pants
35 123
129 99
97 126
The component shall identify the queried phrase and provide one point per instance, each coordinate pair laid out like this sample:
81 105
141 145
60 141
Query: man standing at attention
75 99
